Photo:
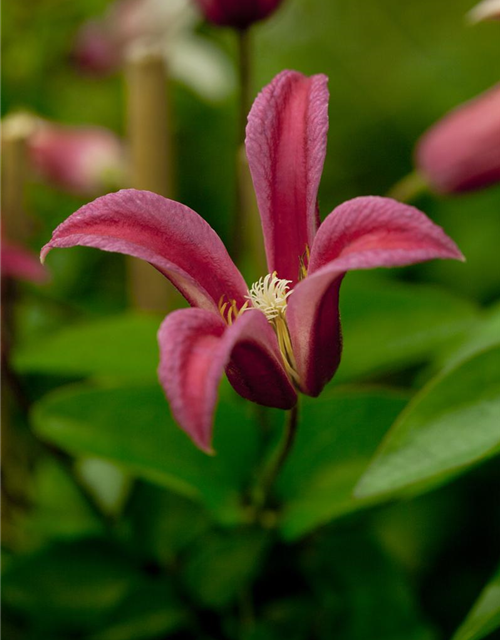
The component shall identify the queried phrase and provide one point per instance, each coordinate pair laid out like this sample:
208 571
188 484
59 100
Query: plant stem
280 456
408 188
244 77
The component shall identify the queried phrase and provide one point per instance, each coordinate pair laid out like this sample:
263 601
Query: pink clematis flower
281 336
461 152
239 14
81 160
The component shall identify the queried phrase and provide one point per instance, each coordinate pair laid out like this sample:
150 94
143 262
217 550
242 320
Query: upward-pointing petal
286 146
363 233
167 234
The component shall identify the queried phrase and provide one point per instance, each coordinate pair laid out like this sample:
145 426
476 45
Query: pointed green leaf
484 617
132 426
337 437
122 346
453 423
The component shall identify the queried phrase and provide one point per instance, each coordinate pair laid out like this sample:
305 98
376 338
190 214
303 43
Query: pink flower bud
82 160
19 264
461 152
239 14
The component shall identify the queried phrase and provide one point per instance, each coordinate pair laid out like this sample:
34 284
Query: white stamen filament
270 295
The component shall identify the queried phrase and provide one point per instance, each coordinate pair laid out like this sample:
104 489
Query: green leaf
122 346
453 423
59 509
132 426
389 326
484 618
149 612
483 334
74 584
164 523
223 565
337 437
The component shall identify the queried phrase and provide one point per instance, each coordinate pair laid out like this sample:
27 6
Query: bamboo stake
150 160
16 129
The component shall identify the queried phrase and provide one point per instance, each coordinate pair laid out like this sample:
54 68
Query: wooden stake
16 129
150 161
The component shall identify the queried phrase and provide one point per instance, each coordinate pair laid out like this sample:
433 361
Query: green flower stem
408 188
272 470
244 76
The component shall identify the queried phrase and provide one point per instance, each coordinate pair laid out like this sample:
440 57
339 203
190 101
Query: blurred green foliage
166 542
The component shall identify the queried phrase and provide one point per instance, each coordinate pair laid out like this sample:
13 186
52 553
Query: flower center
270 295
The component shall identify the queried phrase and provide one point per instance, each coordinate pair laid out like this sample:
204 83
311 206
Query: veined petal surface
363 233
195 348
286 147
167 234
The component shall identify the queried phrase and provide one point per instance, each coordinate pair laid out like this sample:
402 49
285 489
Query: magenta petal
363 233
196 346
169 235
286 146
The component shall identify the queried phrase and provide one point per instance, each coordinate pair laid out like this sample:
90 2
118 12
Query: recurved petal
195 348
363 233
167 234
286 146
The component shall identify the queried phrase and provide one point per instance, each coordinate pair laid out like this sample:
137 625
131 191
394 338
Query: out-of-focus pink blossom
283 334
168 27
82 160
19 264
96 50
239 14
461 152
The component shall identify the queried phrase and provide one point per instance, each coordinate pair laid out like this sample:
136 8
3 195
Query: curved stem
280 456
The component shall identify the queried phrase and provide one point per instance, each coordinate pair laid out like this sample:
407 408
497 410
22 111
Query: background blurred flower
461 152
20 264
486 10
239 14
82 160
167 25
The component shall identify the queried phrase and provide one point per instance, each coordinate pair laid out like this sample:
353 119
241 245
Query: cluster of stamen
229 310
270 295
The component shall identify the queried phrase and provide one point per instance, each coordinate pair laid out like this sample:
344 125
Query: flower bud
239 14
461 152
82 160
19 264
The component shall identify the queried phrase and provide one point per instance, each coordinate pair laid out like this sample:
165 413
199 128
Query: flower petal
363 233
286 146
167 234
196 346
